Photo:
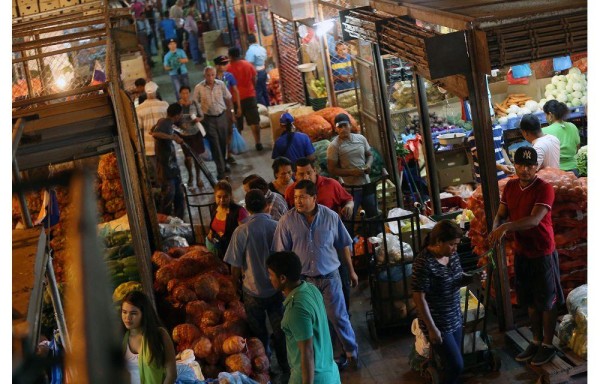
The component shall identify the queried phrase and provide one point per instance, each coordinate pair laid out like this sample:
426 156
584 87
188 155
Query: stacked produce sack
274 87
572 331
319 125
569 219
206 313
347 100
111 204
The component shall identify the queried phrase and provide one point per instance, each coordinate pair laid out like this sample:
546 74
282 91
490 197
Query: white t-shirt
548 151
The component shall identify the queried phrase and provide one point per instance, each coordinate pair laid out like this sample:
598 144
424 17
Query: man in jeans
316 234
525 210
257 55
304 323
169 177
247 254
174 62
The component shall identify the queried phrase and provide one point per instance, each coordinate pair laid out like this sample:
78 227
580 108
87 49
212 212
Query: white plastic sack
468 343
394 253
577 298
425 222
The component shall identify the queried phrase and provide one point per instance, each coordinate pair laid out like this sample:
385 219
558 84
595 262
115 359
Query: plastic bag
238 144
521 70
265 23
577 298
170 230
565 330
422 346
394 253
207 155
174 241
480 345
562 63
188 369
397 273
234 378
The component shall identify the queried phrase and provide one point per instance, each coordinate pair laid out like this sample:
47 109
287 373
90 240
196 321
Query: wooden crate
560 369
49 5
28 7
68 3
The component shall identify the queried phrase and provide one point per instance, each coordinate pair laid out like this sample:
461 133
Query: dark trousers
172 202
258 309
450 353
262 94
216 133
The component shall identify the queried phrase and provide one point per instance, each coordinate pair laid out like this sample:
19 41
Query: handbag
238 144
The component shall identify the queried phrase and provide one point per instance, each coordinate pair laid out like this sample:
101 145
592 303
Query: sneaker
543 355
259 147
230 160
353 363
528 353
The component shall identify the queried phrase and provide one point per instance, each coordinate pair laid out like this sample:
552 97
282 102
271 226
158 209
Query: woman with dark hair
282 170
292 144
148 348
436 279
566 132
225 218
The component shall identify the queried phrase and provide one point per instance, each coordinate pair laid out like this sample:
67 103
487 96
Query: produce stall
459 62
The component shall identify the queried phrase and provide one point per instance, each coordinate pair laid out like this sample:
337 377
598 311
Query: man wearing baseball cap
221 63
525 210
291 144
349 157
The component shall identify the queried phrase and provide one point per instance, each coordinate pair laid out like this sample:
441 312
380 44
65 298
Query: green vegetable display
581 158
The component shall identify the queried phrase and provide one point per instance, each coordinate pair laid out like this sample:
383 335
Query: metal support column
432 179
484 142
388 139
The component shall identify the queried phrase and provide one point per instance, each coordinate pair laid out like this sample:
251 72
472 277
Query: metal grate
57 55
532 41
287 46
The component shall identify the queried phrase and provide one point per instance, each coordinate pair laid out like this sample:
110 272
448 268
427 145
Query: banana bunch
317 86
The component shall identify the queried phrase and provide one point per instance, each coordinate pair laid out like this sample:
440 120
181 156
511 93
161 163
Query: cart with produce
476 344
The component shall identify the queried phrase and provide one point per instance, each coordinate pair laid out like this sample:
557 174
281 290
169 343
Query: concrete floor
386 361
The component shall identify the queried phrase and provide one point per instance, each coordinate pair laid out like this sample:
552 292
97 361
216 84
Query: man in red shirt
525 210
330 192
245 75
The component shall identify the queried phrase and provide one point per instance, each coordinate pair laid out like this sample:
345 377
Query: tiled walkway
386 362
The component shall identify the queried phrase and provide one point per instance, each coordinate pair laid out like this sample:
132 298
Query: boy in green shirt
310 354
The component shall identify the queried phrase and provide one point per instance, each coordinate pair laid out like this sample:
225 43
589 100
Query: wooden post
432 178
484 141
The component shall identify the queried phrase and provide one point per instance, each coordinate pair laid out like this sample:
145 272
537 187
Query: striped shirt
278 205
498 144
441 285
148 114
212 99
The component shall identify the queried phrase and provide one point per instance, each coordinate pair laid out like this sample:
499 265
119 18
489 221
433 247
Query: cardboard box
275 113
452 158
458 175
293 9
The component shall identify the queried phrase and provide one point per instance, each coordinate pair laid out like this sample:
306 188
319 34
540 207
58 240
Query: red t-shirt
330 193
244 74
537 241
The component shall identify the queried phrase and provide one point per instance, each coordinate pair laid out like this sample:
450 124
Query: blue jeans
331 289
450 353
194 50
366 200
178 81
257 309
262 95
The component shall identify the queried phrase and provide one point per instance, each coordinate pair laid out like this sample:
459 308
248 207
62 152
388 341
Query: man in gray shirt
247 254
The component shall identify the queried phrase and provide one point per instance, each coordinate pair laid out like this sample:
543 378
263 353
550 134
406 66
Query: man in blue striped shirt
503 166
316 233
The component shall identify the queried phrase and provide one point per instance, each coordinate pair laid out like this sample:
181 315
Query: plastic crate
318 103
